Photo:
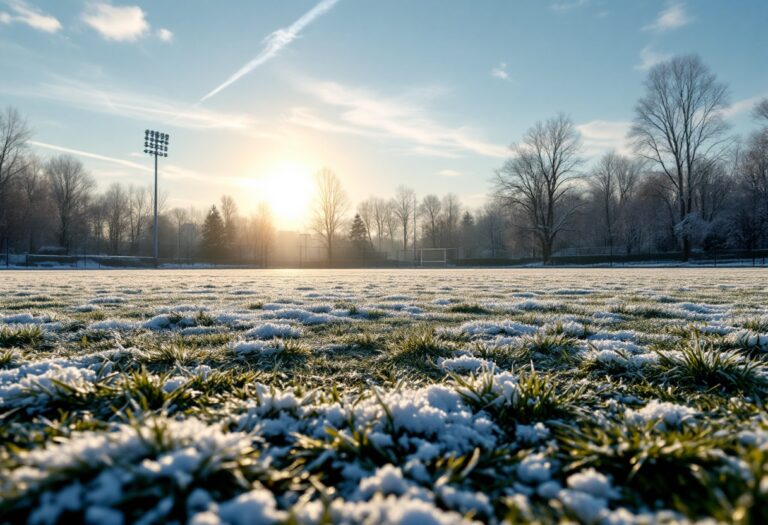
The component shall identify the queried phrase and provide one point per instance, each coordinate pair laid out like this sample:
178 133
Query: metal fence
408 258
715 258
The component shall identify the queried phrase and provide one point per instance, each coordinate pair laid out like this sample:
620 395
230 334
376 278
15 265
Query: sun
288 188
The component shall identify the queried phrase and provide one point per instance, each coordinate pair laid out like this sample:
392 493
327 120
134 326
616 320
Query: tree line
52 206
686 184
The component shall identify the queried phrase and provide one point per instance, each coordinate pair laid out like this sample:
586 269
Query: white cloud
672 17
166 35
306 118
649 58
449 173
601 136
168 171
425 151
500 71
23 13
118 23
89 155
138 106
364 112
741 106
276 41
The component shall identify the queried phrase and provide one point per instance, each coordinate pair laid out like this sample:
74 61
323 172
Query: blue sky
428 94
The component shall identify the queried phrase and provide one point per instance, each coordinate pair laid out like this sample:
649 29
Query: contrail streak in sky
274 43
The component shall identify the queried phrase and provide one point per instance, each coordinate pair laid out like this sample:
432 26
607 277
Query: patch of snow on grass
113 325
166 322
304 316
592 482
586 507
748 339
386 480
536 305
256 347
256 507
569 328
380 510
665 414
25 318
107 300
201 330
465 363
621 335
30 385
531 434
489 328
535 468
274 330
607 317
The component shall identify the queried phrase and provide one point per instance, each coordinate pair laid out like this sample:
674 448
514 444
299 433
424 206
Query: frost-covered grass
453 396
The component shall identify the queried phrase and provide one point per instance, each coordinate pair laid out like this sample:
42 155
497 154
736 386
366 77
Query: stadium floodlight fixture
156 145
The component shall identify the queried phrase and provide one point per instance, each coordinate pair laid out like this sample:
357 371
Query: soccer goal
432 257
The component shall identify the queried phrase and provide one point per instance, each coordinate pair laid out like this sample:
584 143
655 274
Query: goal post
432 257
427 257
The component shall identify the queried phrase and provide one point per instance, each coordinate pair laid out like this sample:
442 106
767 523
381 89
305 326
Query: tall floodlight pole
155 144
414 229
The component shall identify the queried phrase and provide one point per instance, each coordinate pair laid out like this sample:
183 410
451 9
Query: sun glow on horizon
288 189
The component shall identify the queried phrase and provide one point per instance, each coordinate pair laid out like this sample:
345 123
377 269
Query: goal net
432 257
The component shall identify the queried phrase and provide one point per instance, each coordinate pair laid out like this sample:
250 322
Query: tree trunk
546 250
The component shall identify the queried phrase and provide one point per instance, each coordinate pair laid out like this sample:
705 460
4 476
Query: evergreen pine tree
468 235
214 240
359 235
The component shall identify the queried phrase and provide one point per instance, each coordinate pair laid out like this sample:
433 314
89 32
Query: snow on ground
377 396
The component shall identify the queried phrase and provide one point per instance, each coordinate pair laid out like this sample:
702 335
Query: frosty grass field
419 397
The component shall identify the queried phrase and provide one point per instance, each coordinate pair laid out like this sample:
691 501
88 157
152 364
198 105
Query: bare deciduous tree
35 208
490 228
715 186
264 232
71 188
679 126
379 219
761 110
753 177
539 177
612 182
139 209
331 205
366 212
115 201
391 221
14 134
430 212
180 218
404 208
229 216
450 219
383 219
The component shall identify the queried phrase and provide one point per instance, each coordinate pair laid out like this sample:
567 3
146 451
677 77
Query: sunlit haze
257 96
288 188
